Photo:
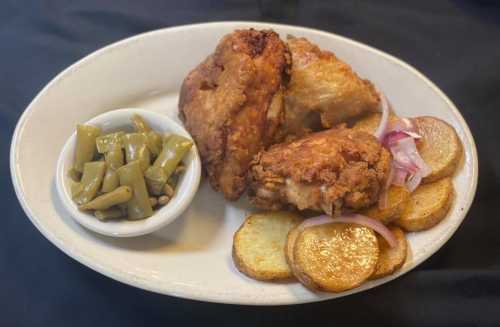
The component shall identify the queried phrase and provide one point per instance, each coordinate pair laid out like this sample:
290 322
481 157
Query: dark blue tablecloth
455 43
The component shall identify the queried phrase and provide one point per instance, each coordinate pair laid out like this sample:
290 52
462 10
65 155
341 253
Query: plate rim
221 298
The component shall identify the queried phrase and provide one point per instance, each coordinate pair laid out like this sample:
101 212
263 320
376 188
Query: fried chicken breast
324 171
323 90
232 104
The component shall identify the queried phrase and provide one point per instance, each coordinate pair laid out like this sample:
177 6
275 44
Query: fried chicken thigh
232 104
323 90
324 171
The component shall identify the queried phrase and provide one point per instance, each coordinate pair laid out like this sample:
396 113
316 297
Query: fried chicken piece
323 90
324 171
232 104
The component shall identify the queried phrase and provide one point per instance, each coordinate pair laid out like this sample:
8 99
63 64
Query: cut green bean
105 142
172 153
155 180
136 149
74 175
120 195
76 189
114 160
155 142
140 125
93 173
85 145
112 213
139 206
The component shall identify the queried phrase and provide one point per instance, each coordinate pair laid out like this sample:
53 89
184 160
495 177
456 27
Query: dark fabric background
455 43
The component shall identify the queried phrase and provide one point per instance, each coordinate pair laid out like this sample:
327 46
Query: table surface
455 43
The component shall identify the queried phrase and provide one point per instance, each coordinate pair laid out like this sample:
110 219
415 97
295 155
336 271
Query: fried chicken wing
232 104
324 171
323 90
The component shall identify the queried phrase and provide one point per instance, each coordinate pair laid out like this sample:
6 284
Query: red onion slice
383 199
399 177
376 225
382 127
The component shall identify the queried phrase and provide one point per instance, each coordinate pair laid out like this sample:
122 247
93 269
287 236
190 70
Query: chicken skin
232 104
323 90
323 171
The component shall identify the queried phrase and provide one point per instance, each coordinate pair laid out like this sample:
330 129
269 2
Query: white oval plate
191 258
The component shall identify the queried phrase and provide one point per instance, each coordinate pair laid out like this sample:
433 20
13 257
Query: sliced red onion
382 127
383 200
414 181
376 225
392 137
410 148
399 177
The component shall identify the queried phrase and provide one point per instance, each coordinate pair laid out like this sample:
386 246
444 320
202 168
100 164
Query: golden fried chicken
324 171
232 104
323 90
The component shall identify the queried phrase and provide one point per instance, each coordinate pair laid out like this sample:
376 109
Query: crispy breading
322 171
232 104
323 90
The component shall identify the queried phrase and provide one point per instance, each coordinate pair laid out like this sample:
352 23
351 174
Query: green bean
108 214
105 142
85 145
76 189
120 195
154 141
114 160
136 149
139 206
74 175
140 124
172 153
155 180
93 173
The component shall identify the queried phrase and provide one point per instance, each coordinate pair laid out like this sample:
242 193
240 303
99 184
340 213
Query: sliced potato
370 122
427 206
335 257
259 245
397 199
439 146
390 259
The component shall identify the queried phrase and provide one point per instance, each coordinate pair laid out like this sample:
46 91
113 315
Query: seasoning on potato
123 175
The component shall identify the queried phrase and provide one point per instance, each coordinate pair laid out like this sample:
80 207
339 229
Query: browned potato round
397 199
390 259
259 245
427 206
439 146
370 122
335 257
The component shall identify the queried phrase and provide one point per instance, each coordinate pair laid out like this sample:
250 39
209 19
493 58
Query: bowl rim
221 298
161 217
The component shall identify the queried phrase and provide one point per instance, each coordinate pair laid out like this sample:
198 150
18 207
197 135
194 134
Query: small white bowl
186 189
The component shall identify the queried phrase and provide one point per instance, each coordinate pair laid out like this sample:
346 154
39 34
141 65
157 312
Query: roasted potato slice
335 257
439 146
390 259
370 122
259 245
427 206
397 199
